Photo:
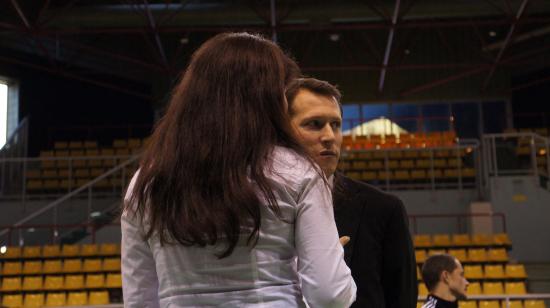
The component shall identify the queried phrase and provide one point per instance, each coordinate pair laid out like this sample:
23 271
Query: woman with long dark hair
226 208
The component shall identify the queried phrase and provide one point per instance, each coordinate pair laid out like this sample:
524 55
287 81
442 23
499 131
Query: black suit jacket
380 253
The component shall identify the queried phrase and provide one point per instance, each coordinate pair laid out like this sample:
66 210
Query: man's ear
444 277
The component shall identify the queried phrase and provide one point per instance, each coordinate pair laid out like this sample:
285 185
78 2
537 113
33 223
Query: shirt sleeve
326 280
399 266
139 276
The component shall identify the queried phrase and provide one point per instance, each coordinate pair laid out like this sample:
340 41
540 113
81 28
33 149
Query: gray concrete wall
527 208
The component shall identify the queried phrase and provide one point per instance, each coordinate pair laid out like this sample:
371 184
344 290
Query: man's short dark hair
434 266
313 85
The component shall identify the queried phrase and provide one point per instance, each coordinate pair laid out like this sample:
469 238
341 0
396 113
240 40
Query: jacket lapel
348 210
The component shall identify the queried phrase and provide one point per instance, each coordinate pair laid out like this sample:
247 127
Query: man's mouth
328 153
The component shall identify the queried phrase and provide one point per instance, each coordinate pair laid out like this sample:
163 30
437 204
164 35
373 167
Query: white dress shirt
295 261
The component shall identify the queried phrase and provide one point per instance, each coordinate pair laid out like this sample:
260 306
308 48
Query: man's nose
327 134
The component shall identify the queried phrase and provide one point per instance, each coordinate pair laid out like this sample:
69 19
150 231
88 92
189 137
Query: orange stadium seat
32 283
513 304
421 256
34 300
467 304
477 255
516 271
11 268
482 239
515 288
473 272
461 240
92 265
11 284
12 252
109 249
489 304
13 300
57 299
501 239
474 288
32 267
422 240
72 265
111 264
460 254
494 272
49 251
99 298
74 282
113 281
77 299
493 288
441 240
530 303
497 255
422 290
52 266
95 281
32 252
54 283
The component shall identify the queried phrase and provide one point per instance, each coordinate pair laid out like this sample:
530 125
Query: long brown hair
199 177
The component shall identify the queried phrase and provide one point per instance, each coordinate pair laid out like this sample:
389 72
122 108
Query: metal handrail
73 193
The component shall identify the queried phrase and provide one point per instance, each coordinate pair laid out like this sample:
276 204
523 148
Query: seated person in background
380 252
444 277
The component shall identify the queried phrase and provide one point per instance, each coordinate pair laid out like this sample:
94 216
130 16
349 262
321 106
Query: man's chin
459 295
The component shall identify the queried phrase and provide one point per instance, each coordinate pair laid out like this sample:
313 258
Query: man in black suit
380 252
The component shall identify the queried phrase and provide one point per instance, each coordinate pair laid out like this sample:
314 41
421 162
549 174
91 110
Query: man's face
317 122
457 283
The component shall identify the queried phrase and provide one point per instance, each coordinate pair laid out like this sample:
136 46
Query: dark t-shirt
436 302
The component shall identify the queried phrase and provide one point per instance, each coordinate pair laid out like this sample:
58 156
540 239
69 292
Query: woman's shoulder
291 167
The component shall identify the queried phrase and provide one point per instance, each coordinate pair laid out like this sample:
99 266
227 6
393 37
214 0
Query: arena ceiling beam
507 41
388 47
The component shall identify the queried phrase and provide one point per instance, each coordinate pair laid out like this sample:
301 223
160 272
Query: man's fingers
344 240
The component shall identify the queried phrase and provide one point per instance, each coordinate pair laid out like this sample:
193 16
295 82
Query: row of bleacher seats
472 255
405 175
487 288
56 299
365 164
50 266
528 303
490 272
413 140
55 185
56 251
461 240
408 154
543 131
60 282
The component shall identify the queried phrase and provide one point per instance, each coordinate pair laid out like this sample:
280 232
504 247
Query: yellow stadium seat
515 288
482 239
494 272
73 282
441 240
418 273
34 300
32 283
75 145
111 264
537 303
474 289
99 298
109 249
55 299
515 271
70 250
89 250
52 266
72 265
11 284
92 265
419 304
422 290
11 268
54 283
460 254
501 239
512 304
422 240
489 304
498 255
461 240
421 256
467 304
89 144
32 252
368 176
477 255
95 281
493 288
418 174
402 175
12 252
77 299
32 267
433 252
50 251
473 272
113 281
15 300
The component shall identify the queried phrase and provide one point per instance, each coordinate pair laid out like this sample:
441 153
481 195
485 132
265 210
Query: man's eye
336 125
314 124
